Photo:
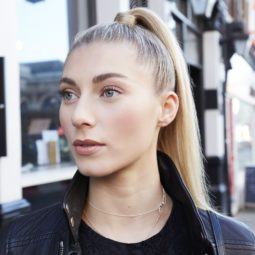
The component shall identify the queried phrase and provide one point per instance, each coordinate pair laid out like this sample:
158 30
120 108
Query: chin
94 172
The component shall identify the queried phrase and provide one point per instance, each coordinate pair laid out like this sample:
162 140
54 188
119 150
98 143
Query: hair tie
127 19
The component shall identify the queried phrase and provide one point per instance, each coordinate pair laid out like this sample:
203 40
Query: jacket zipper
61 248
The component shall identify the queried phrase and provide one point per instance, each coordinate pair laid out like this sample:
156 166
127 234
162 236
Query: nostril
82 120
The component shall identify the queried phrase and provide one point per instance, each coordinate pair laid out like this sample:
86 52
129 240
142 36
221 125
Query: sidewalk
247 216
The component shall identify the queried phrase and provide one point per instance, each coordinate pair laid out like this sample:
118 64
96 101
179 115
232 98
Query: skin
124 175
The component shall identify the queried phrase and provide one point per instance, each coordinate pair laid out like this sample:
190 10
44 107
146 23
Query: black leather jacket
54 230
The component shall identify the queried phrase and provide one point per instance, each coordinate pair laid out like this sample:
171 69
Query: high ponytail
180 139
156 45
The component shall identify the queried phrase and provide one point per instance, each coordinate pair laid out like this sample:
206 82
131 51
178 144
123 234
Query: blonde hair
157 47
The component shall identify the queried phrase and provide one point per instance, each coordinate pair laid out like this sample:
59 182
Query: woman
129 117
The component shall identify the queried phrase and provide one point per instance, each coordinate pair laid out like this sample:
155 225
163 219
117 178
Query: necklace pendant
160 207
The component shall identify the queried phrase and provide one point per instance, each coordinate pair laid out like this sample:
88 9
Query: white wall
107 10
211 59
250 9
161 7
10 166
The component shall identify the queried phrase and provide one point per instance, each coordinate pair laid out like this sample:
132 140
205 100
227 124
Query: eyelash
63 92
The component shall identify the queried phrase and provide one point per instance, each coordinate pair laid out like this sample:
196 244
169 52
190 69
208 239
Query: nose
82 114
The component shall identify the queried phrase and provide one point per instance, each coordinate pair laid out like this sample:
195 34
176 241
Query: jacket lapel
176 188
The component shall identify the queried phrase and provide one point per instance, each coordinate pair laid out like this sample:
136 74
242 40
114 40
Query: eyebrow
95 80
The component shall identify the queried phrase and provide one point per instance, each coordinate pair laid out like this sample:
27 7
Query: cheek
126 122
65 121
130 121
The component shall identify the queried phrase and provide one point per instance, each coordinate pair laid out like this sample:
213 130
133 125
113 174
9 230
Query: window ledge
47 174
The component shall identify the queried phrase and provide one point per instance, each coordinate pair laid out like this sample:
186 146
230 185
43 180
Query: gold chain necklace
159 209
133 215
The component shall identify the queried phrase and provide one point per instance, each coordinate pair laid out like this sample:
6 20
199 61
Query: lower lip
87 150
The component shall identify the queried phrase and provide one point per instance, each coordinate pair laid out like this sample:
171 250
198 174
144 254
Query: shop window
244 133
42 45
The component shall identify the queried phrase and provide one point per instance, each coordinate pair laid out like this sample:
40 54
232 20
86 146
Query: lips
86 142
87 147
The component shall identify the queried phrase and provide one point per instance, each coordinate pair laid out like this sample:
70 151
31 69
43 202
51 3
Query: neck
132 190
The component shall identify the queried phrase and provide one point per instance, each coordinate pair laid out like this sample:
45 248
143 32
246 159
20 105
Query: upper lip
78 142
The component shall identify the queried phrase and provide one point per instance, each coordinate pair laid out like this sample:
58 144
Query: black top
172 239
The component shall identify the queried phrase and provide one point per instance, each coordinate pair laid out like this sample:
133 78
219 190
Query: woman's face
120 111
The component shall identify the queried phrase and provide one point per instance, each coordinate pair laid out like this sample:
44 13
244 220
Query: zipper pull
61 248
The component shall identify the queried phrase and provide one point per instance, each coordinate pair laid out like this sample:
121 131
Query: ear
169 108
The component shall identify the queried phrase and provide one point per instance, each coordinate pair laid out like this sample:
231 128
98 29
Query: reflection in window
244 133
42 45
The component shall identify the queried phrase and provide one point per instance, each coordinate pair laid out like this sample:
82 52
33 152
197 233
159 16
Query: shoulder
235 233
41 224
43 221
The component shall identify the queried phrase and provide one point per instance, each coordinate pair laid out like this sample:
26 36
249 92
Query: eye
66 95
109 91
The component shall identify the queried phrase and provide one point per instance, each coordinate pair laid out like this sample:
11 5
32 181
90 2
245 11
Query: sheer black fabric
172 239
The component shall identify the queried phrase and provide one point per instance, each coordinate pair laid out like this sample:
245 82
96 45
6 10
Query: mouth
87 143
87 149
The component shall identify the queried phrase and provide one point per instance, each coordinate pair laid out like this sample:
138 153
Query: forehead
103 57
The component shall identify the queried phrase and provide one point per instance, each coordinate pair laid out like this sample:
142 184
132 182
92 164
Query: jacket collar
75 196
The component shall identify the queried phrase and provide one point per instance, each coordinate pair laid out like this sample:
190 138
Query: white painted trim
214 133
44 175
212 75
10 166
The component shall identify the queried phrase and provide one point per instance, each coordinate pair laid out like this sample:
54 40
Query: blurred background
218 41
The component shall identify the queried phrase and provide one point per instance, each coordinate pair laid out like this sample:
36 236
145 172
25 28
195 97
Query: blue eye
109 91
66 95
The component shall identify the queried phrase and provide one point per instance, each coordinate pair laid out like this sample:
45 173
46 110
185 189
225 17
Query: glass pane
177 30
42 45
198 21
244 132
182 6
192 49
241 146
